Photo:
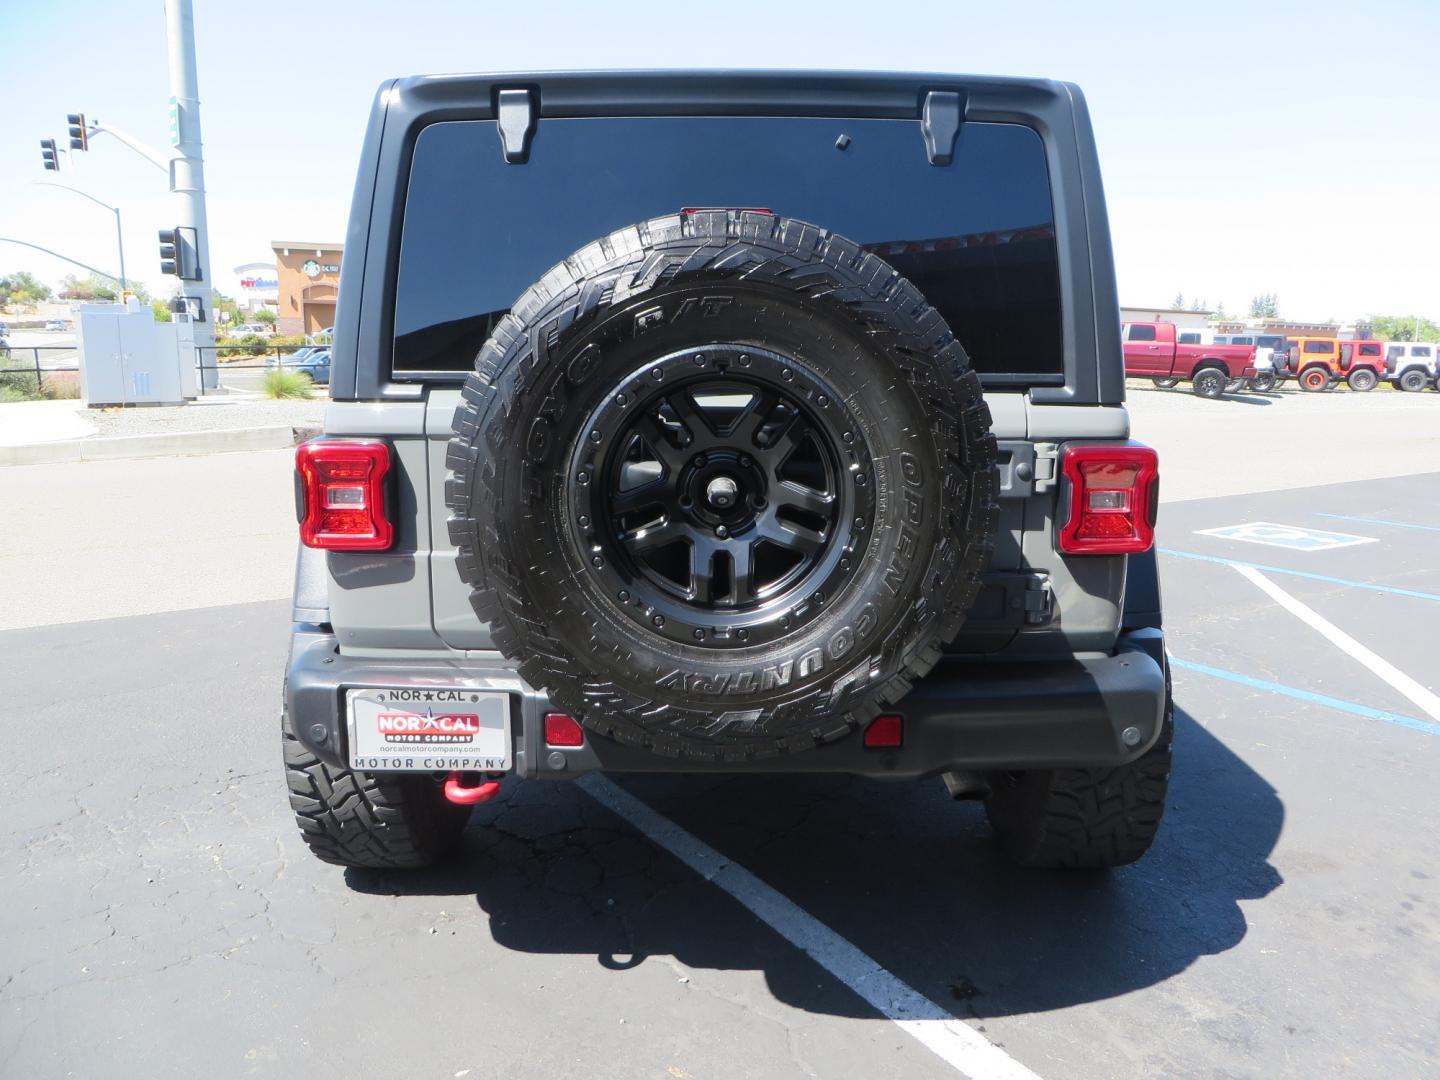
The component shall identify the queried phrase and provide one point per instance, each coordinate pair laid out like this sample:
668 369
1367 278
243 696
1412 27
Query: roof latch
940 124
515 117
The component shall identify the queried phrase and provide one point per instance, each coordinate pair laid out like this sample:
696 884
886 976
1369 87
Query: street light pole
119 235
187 169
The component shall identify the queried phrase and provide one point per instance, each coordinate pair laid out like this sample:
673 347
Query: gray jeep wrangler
706 422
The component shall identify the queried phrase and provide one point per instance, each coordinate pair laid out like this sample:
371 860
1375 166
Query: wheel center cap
720 492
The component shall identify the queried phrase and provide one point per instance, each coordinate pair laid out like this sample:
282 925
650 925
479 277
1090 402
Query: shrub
244 345
284 383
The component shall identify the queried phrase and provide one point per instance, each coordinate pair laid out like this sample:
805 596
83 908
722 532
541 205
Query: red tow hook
470 788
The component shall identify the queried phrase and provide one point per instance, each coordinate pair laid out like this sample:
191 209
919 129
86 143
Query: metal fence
30 368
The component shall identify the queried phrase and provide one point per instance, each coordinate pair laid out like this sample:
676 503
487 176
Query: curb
165 444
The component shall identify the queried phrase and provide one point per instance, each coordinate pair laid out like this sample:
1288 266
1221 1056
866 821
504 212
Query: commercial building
259 287
308 276
1189 320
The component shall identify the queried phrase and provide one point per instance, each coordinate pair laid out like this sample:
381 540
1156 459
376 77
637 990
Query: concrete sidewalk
48 432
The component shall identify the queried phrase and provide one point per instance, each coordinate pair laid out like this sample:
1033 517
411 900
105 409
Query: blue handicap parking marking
1292 537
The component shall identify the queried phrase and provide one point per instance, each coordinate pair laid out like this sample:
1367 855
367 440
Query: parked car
55 324
1153 351
1362 363
1410 365
312 360
719 490
261 329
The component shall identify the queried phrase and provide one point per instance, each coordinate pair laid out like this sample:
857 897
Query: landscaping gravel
211 414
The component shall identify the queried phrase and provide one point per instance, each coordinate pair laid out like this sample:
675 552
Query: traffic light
49 154
179 254
78 139
169 253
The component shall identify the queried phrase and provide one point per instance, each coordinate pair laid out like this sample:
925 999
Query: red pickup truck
1151 352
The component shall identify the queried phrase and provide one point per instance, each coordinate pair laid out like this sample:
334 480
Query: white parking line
954 1041
1402 683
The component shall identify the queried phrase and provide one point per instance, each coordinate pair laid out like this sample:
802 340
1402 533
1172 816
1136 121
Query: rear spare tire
723 484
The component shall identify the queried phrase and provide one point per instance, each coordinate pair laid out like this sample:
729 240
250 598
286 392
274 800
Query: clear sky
1247 147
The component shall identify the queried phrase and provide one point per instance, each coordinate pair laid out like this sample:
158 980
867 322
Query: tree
1200 305
266 316
93 287
1403 328
22 287
1178 304
1264 306
219 302
162 311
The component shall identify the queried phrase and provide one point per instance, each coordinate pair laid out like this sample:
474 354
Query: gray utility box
127 358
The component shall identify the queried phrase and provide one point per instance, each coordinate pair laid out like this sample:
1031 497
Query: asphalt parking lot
162 918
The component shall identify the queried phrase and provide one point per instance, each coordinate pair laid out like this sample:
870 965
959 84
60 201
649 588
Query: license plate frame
428 729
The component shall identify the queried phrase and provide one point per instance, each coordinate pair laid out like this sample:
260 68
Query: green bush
284 383
244 345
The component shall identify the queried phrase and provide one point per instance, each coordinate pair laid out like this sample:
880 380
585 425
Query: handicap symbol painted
1287 536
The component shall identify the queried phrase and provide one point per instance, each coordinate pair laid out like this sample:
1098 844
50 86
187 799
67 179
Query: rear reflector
1114 491
342 494
885 732
561 729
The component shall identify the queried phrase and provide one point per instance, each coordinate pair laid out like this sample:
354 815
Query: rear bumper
966 715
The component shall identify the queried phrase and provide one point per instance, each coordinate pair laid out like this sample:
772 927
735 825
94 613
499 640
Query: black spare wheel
723 484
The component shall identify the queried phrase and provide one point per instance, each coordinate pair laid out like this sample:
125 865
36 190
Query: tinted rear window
977 236
1318 347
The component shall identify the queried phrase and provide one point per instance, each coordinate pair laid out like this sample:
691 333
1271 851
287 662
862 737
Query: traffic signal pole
187 174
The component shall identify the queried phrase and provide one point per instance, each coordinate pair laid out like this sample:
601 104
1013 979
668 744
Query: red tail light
562 729
1113 495
342 503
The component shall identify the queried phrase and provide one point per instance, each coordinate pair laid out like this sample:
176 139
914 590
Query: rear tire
1083 819
384 821
1362 380
1413 381
1166 384
1210 382
1315 379
1264 382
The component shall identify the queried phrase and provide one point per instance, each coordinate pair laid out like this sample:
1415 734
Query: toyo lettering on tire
723 484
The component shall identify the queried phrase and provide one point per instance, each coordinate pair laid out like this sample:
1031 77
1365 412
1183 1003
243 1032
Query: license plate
429 729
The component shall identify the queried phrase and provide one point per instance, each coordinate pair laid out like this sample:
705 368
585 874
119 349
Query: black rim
720 495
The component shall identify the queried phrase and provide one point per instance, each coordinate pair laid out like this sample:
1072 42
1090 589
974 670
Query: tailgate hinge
1038 601
1047 458
515 117
940 120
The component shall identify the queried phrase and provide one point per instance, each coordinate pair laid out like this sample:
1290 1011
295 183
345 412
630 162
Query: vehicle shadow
911 878
1252 397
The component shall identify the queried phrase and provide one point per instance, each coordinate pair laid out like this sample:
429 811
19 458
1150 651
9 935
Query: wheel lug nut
699 634
819 598
787 374
699 359
583 478
721 531
656 374
744 459
584 520
597 562
595 436
785 623
860 479
621 399
743 634
744 360
623 595
659 620
822 401
848 437
859 523
699 460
